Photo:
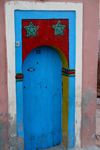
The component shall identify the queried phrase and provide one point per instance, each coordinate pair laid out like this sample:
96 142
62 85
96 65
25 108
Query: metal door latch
31 69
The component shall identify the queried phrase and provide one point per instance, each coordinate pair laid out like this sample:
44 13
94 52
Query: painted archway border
10 7
68 107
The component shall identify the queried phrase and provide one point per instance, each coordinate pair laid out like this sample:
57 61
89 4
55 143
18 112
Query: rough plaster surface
12 134
20 143
88 117
98 127
87 98
3 138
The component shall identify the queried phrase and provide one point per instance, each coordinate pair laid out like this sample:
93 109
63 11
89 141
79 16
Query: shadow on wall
98 71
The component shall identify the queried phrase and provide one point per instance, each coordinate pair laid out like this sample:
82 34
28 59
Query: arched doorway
42 98
67 52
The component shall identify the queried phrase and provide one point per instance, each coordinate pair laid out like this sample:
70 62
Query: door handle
31 69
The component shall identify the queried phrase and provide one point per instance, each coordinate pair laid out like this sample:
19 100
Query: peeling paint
3 138
20 125
88 118
20 143
12 133
4 115
93 136
94 119
65 139
1 114
87 98
85 122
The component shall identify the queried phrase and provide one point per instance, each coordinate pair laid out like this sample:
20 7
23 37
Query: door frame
10 7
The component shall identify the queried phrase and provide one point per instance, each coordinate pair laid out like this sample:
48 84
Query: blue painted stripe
71 115
72 41
19 97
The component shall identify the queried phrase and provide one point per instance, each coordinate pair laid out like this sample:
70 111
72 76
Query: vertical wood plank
57 81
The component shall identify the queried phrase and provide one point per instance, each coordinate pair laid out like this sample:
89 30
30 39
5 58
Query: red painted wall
89 72
45 27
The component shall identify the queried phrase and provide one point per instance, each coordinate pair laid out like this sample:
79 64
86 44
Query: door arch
42 98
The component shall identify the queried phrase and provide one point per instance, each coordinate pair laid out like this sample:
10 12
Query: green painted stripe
19 73
18 80
68 69
68 75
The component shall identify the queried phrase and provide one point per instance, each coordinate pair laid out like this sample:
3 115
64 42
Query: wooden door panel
42 98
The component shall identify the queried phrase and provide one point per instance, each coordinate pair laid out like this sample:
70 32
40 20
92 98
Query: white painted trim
78 81
10 40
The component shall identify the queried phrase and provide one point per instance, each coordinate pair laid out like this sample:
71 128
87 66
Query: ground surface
91 148
61 147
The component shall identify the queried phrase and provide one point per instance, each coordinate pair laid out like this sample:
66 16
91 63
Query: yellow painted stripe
65 101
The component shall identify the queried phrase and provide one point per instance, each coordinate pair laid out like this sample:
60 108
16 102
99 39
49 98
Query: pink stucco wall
89 72
3 82
98 80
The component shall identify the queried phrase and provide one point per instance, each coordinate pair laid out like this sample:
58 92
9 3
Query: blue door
42 99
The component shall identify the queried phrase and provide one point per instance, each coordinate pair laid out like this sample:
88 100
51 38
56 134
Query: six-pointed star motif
59 28
31 30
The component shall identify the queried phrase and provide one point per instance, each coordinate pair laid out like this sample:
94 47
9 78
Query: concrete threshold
61 147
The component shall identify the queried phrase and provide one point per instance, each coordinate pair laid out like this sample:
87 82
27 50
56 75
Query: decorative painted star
31 30
59 28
